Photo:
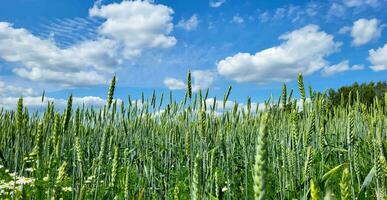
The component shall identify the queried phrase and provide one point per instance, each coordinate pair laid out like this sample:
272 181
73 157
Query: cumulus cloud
202 79
216 3
378 58
365 30
10 90
40 57
340 67
130 27
302 50
189 24
137 24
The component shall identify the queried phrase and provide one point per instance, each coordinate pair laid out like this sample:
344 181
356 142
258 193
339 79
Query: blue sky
73 46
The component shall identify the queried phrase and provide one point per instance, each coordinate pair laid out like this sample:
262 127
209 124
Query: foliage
367 93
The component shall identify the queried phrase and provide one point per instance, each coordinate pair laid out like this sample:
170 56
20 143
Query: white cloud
364 30
358 3
312 9
189 24
378 68
229 105
303 50
36 102
216 3
201 79
174 84
264 17
336 10
41 58
340 67
345 29
237 19
130 27
358 67
89 101
78 78
293 13
138 24
353 3
10 90
279 13
342 8
378 58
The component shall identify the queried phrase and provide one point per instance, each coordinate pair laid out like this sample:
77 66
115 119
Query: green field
157 148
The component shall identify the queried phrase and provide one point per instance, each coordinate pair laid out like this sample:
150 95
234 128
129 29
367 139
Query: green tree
367 92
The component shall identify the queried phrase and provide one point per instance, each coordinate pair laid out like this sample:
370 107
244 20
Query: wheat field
158 148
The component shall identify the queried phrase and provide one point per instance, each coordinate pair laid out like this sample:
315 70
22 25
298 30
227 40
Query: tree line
366 92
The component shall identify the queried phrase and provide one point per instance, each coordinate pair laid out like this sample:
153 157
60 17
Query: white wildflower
24 180
67 189
30 169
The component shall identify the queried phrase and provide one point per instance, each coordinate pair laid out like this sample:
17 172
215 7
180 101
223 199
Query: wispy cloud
237 19
67 31
189 24
216 3
264 17
294 13
336 10
360 3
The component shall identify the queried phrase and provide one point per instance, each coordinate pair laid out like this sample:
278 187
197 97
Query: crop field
158 148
